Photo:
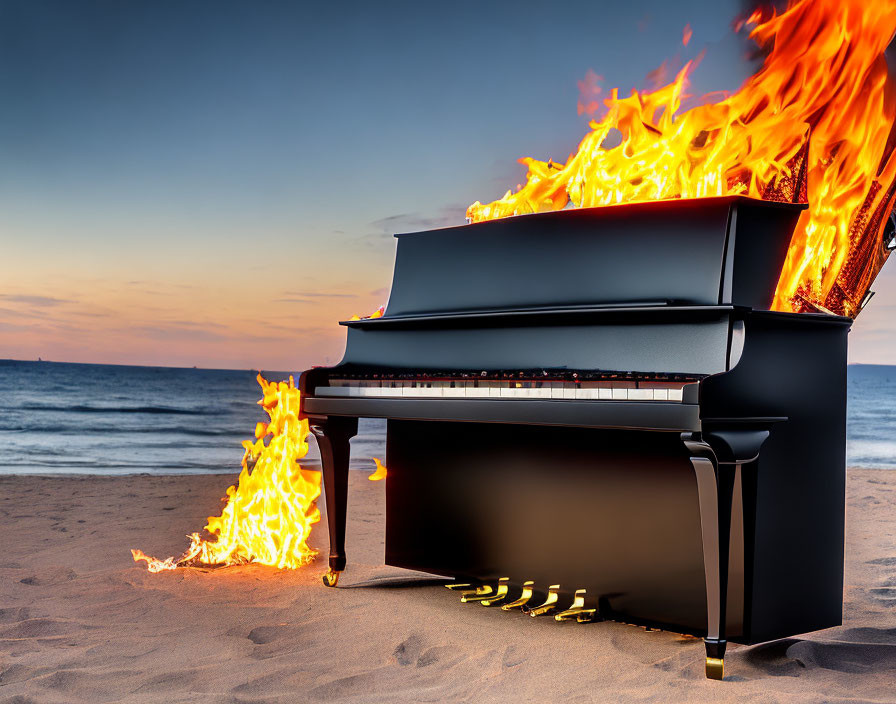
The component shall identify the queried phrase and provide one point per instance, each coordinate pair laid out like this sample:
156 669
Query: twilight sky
216 183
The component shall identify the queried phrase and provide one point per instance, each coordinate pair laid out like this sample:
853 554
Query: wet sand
81 622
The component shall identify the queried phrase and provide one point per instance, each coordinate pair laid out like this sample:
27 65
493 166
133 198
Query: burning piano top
635 435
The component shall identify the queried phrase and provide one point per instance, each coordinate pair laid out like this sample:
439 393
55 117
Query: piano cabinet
731 530
684 469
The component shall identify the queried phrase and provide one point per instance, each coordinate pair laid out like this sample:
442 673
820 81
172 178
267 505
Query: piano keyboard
544 390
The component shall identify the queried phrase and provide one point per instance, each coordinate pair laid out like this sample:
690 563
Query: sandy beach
81 622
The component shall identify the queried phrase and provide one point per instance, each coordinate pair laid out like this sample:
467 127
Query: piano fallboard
647 415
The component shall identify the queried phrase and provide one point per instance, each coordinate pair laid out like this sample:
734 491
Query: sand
80 622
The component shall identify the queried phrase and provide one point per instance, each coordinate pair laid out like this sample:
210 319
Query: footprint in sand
49 577
885 595
774 658
889 561
14 614
408 650
281 639
841 656
39 628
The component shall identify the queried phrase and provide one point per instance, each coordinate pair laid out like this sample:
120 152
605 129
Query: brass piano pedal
484 592
331 577
715 668
576 610
468 590
549 604
458 585
500 593
523 599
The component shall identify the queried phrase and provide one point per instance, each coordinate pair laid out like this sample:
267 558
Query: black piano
594 414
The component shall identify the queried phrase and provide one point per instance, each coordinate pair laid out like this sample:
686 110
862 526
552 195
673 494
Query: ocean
58 418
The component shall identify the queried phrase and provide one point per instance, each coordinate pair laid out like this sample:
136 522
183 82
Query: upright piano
595 414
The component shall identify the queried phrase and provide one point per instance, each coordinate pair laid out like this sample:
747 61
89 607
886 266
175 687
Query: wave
104 430
84 408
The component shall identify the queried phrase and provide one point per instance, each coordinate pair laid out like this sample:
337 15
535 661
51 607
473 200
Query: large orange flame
270 511
817 115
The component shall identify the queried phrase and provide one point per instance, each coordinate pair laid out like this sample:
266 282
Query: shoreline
312 465
81 622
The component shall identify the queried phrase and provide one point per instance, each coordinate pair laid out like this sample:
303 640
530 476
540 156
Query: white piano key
330 391
510 389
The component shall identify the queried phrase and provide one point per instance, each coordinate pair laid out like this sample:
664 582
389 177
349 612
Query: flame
380 472
270 511
378 313
817 116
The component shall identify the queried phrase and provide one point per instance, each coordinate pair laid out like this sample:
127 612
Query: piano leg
715 484
333 435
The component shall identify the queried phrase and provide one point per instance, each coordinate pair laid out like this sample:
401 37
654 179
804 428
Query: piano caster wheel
715 668
331 578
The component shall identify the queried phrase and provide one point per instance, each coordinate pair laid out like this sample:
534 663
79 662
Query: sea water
103 419
107 419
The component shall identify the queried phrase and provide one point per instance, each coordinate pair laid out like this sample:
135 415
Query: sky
217 183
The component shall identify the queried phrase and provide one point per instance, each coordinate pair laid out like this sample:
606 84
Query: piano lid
709 251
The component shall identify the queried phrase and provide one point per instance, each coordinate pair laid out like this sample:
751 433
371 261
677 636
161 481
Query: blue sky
216 183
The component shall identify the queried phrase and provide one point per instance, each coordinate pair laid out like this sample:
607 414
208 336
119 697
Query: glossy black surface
720 516
698 252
